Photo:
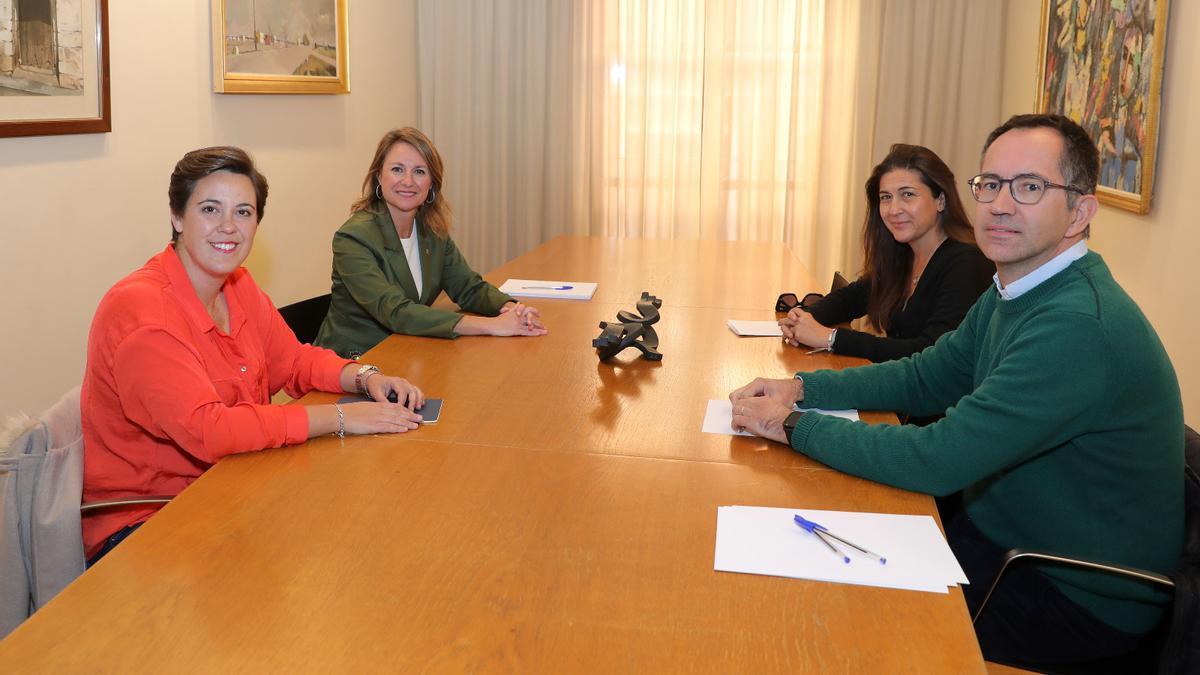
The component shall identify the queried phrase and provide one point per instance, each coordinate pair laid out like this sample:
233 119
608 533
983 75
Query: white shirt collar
1048 269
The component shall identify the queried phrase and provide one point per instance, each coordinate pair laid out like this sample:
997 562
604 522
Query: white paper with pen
718 417
563 290
765 540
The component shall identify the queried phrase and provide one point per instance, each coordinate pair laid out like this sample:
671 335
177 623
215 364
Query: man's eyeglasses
1026 188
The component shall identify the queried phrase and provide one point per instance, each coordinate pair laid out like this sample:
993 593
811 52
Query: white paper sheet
754 328
562 290
765 540
718 417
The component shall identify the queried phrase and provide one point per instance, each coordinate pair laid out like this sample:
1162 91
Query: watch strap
790 422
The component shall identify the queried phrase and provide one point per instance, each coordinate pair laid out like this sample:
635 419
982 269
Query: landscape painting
54 67
280 46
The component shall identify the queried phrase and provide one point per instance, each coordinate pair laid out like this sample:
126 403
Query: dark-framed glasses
1026 188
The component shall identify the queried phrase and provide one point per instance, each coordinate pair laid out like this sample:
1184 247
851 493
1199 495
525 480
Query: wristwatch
789 424
360 377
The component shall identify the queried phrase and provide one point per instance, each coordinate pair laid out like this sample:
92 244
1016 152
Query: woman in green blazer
394 256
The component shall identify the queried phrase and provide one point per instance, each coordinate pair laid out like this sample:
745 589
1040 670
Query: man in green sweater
1063 423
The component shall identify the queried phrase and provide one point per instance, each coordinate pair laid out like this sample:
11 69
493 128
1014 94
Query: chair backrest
1181 650
1191 492
41 540
839 282
305 317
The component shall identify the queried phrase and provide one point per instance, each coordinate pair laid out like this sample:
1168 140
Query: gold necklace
917 274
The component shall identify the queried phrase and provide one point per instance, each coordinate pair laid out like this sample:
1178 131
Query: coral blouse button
243 369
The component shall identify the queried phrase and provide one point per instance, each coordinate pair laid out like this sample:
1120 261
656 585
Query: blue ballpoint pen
564 287
819 532
822 532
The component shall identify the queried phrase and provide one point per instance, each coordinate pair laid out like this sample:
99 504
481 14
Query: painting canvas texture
281 37
1100 69
41 48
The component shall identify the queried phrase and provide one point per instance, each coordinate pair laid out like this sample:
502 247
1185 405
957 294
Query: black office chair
839 282
1174 647
305 317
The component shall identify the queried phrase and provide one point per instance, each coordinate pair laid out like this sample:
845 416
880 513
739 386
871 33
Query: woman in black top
922 271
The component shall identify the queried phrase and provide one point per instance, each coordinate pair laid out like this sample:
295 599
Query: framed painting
1101 64
54 67
280 47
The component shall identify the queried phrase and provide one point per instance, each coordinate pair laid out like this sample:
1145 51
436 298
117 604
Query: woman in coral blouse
185 353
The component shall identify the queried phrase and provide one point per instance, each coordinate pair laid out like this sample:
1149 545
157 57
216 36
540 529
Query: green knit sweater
1063 427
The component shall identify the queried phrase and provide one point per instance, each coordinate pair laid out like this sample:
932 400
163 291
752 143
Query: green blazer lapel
431 275
394 254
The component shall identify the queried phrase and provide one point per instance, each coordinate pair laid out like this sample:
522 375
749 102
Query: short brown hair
1080 160
198 164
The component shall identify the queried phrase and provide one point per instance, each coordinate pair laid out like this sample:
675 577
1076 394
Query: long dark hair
888 262
435 216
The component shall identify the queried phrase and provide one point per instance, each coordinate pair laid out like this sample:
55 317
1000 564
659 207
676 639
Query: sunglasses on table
788 301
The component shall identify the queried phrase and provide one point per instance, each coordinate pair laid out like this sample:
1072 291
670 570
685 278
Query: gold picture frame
275 47
1103 68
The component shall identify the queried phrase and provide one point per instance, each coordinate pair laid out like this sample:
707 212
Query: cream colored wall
1151 255
79 212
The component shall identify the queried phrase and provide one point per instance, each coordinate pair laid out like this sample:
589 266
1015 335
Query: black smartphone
430 412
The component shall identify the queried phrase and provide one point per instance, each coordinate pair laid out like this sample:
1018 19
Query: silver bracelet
832 337
341 432
363 374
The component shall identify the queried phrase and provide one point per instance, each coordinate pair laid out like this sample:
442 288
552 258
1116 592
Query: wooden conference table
561 516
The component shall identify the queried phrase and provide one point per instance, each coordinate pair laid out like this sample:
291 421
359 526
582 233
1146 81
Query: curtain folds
495 98
752 120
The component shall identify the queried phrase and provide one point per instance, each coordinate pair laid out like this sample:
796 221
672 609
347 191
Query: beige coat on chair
41 542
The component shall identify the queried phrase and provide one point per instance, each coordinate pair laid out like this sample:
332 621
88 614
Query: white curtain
933 66
712 119
701 118
495 98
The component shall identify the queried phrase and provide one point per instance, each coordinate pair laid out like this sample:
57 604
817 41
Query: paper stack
764 540
718 417
559 290
754 328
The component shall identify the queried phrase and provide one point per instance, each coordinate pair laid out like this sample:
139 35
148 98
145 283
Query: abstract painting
1101 64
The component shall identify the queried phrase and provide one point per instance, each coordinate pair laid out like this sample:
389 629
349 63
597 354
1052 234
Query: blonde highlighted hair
435 216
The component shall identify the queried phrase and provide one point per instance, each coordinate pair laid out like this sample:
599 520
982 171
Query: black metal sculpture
633 331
